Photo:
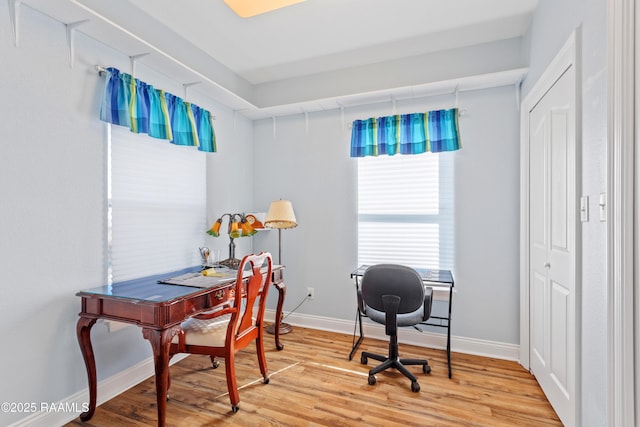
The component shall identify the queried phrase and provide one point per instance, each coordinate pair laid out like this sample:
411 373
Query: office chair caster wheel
363 360
415 387
234 409
215 364
372 379
426 369
266 381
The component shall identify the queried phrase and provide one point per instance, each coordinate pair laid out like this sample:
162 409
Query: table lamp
280 215
238 227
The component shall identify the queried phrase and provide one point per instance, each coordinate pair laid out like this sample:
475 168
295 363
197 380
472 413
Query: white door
552 240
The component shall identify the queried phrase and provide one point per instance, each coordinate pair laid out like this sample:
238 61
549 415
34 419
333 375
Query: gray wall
52 215
52 219
315 171
553 23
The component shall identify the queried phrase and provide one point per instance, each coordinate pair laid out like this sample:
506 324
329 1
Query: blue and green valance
137 105
414 133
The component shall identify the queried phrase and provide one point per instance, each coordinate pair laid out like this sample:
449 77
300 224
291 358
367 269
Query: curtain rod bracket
14 9
133 59
71 36
186 86
456 93
273 118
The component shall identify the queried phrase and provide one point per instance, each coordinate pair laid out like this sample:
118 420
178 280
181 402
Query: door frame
567 57
622 223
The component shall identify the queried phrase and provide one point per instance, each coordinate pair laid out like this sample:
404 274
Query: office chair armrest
428 299
391 304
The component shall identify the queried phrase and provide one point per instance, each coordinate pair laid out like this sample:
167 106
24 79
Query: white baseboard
427 339
70 408
122 381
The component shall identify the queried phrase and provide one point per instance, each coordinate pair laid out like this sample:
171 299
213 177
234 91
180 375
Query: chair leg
365 355
214 362
400 367
232 386
382 367
394 361
262 359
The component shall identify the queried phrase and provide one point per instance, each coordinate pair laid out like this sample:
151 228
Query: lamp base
232 263
285 328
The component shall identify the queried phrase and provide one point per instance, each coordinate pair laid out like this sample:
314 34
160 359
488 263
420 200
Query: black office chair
394 296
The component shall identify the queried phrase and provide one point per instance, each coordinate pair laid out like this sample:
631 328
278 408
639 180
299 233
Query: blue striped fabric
137 105
364 138
444 130
116 99
159 123
413 133
182 123
206 134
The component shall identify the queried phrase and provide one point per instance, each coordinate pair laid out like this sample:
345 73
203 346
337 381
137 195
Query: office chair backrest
393 279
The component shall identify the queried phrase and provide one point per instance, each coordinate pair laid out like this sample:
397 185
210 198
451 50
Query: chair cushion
209 332
403 319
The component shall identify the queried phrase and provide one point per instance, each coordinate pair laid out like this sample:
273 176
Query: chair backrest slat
250 290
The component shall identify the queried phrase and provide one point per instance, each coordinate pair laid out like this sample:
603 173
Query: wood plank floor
312 383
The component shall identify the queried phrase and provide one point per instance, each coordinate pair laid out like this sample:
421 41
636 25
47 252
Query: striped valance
137 105
413 133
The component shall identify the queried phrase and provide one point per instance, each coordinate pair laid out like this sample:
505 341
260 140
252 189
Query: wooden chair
226 331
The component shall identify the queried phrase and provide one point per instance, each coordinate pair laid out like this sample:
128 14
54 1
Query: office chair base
396 363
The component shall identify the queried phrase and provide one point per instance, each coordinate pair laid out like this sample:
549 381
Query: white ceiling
310 38
326 35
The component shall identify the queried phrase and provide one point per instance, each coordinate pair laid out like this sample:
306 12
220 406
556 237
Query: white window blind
157 197
406 210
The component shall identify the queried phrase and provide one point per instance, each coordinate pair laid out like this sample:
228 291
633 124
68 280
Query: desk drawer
156 315
181 310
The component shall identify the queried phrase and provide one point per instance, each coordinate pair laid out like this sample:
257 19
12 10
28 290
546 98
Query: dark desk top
428 275
146 288
150 289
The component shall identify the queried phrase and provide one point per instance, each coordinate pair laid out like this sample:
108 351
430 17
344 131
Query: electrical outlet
311 293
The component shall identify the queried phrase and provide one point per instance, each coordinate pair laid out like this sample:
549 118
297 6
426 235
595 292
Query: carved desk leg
83 331
160 342
282 290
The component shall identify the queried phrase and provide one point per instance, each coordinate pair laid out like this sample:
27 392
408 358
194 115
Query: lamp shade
281 215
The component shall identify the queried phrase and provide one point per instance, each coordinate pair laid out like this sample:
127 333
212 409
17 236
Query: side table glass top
427 274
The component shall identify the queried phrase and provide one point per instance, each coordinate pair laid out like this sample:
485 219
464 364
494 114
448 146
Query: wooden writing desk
159 309
433 278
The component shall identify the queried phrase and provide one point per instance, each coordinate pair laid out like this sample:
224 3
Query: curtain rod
461 112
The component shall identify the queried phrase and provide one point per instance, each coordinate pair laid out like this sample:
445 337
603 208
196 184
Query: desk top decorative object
239 226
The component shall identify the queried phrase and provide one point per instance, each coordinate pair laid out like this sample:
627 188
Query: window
157 200
406 210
